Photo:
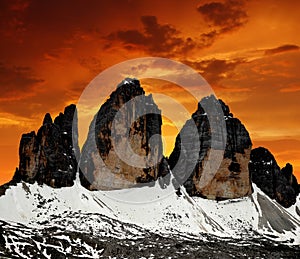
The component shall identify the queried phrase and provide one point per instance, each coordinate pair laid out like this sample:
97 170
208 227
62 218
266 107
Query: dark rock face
287 171
280 185
49 156
142 119
232 179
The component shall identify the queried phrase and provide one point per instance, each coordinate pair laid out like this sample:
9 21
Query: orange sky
247 50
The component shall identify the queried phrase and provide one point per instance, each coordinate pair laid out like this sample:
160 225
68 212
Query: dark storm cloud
155 37
229 15
16 82
214 70
280 49
207 39
223 17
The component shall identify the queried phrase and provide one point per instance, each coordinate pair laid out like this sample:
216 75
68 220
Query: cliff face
232 179
280 185
133 125
48 156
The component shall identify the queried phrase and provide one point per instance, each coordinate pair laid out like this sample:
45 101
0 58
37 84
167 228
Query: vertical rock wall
232 178
49 156
111 171
280 185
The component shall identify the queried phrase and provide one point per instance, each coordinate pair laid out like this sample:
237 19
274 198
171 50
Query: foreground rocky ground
17 241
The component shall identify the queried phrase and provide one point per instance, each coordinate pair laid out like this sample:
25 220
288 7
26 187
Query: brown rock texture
232 178
49 156
142 119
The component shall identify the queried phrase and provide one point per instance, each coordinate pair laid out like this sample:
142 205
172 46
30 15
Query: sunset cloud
214 70
154 38
227 16
248 51
17 82
290 89
8 120
93 64
280 49
222 17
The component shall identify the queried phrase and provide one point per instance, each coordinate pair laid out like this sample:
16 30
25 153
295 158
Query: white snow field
151 209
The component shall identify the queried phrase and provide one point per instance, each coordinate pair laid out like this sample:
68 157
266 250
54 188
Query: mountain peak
278 184
232 179
47 119
210 103
117 173
129 81
49 156
70 110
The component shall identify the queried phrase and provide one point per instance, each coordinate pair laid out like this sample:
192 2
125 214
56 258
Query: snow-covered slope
295 209
152 208
254 214
149 208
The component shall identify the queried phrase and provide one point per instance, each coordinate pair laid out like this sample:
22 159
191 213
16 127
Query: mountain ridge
101 215
67 217
49 156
